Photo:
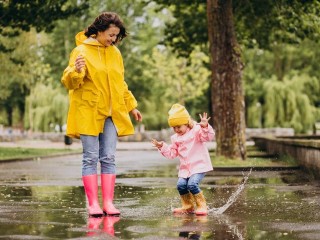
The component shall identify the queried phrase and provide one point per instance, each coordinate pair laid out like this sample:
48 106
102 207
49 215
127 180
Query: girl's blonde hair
190 123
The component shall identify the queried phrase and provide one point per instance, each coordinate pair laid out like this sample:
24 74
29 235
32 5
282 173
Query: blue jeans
100 148
191 184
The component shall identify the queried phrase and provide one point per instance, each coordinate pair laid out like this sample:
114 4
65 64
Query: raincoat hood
83 39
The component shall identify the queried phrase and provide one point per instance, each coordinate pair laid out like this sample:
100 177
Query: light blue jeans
191 184
100 148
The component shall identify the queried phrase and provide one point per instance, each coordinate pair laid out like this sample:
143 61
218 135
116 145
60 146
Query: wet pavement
44 199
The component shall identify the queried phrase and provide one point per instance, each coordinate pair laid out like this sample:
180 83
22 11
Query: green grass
259 159
23 153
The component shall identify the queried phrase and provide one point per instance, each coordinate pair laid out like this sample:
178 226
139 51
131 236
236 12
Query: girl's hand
79 63
204 120
137 115
156 143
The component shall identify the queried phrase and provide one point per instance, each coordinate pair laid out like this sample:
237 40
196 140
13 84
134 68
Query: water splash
233 197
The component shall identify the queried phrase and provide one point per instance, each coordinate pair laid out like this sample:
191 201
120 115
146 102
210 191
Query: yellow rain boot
201 204
187 204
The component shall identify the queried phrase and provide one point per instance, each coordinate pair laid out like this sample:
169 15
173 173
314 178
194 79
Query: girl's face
109 36
181 129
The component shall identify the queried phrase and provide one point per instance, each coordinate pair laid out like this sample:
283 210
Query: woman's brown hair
103 22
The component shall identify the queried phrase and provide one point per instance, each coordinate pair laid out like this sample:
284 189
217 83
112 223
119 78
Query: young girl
188 143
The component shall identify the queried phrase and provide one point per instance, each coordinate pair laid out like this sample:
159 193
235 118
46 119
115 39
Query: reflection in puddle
103 225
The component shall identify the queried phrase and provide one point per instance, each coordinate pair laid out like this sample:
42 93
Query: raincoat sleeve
129 99
169 151
204 134
71 79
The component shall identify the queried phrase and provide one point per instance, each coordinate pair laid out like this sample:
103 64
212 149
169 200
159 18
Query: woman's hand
204 120
156 143
79 63
137 115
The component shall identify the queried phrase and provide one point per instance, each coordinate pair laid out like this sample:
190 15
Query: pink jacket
191 150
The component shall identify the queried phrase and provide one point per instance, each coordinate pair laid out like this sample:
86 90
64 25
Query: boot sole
96 215
110 214
201 214
183 212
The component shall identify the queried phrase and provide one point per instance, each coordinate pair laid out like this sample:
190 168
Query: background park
252 65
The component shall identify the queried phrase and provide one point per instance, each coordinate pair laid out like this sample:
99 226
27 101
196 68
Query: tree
25 14
227 93
22 15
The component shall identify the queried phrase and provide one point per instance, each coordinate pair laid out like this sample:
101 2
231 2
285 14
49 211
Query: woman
99 105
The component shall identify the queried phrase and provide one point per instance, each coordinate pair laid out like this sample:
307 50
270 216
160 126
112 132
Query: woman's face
109 36
181 129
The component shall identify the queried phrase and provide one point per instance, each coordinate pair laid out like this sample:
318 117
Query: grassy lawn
22 153
255 158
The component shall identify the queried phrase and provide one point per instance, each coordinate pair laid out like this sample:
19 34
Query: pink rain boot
107 183
90 183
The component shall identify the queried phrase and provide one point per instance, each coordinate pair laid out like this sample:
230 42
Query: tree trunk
226 91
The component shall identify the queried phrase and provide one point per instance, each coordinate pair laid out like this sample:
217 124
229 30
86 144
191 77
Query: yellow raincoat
98 91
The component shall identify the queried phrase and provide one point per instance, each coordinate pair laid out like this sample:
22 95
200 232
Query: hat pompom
178 115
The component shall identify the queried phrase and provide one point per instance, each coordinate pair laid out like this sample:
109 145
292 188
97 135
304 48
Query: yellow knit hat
178 115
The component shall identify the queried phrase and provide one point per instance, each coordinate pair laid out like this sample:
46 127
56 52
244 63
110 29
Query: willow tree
286 96
45 108
287 102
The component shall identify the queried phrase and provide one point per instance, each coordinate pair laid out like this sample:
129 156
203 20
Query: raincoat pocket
90 98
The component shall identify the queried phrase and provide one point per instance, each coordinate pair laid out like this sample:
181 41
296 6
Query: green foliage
287 104
282 86
254 115
45 108
267 22
62 41
3 117
173 80
259 21
188 29
25 14
17 77
145 28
